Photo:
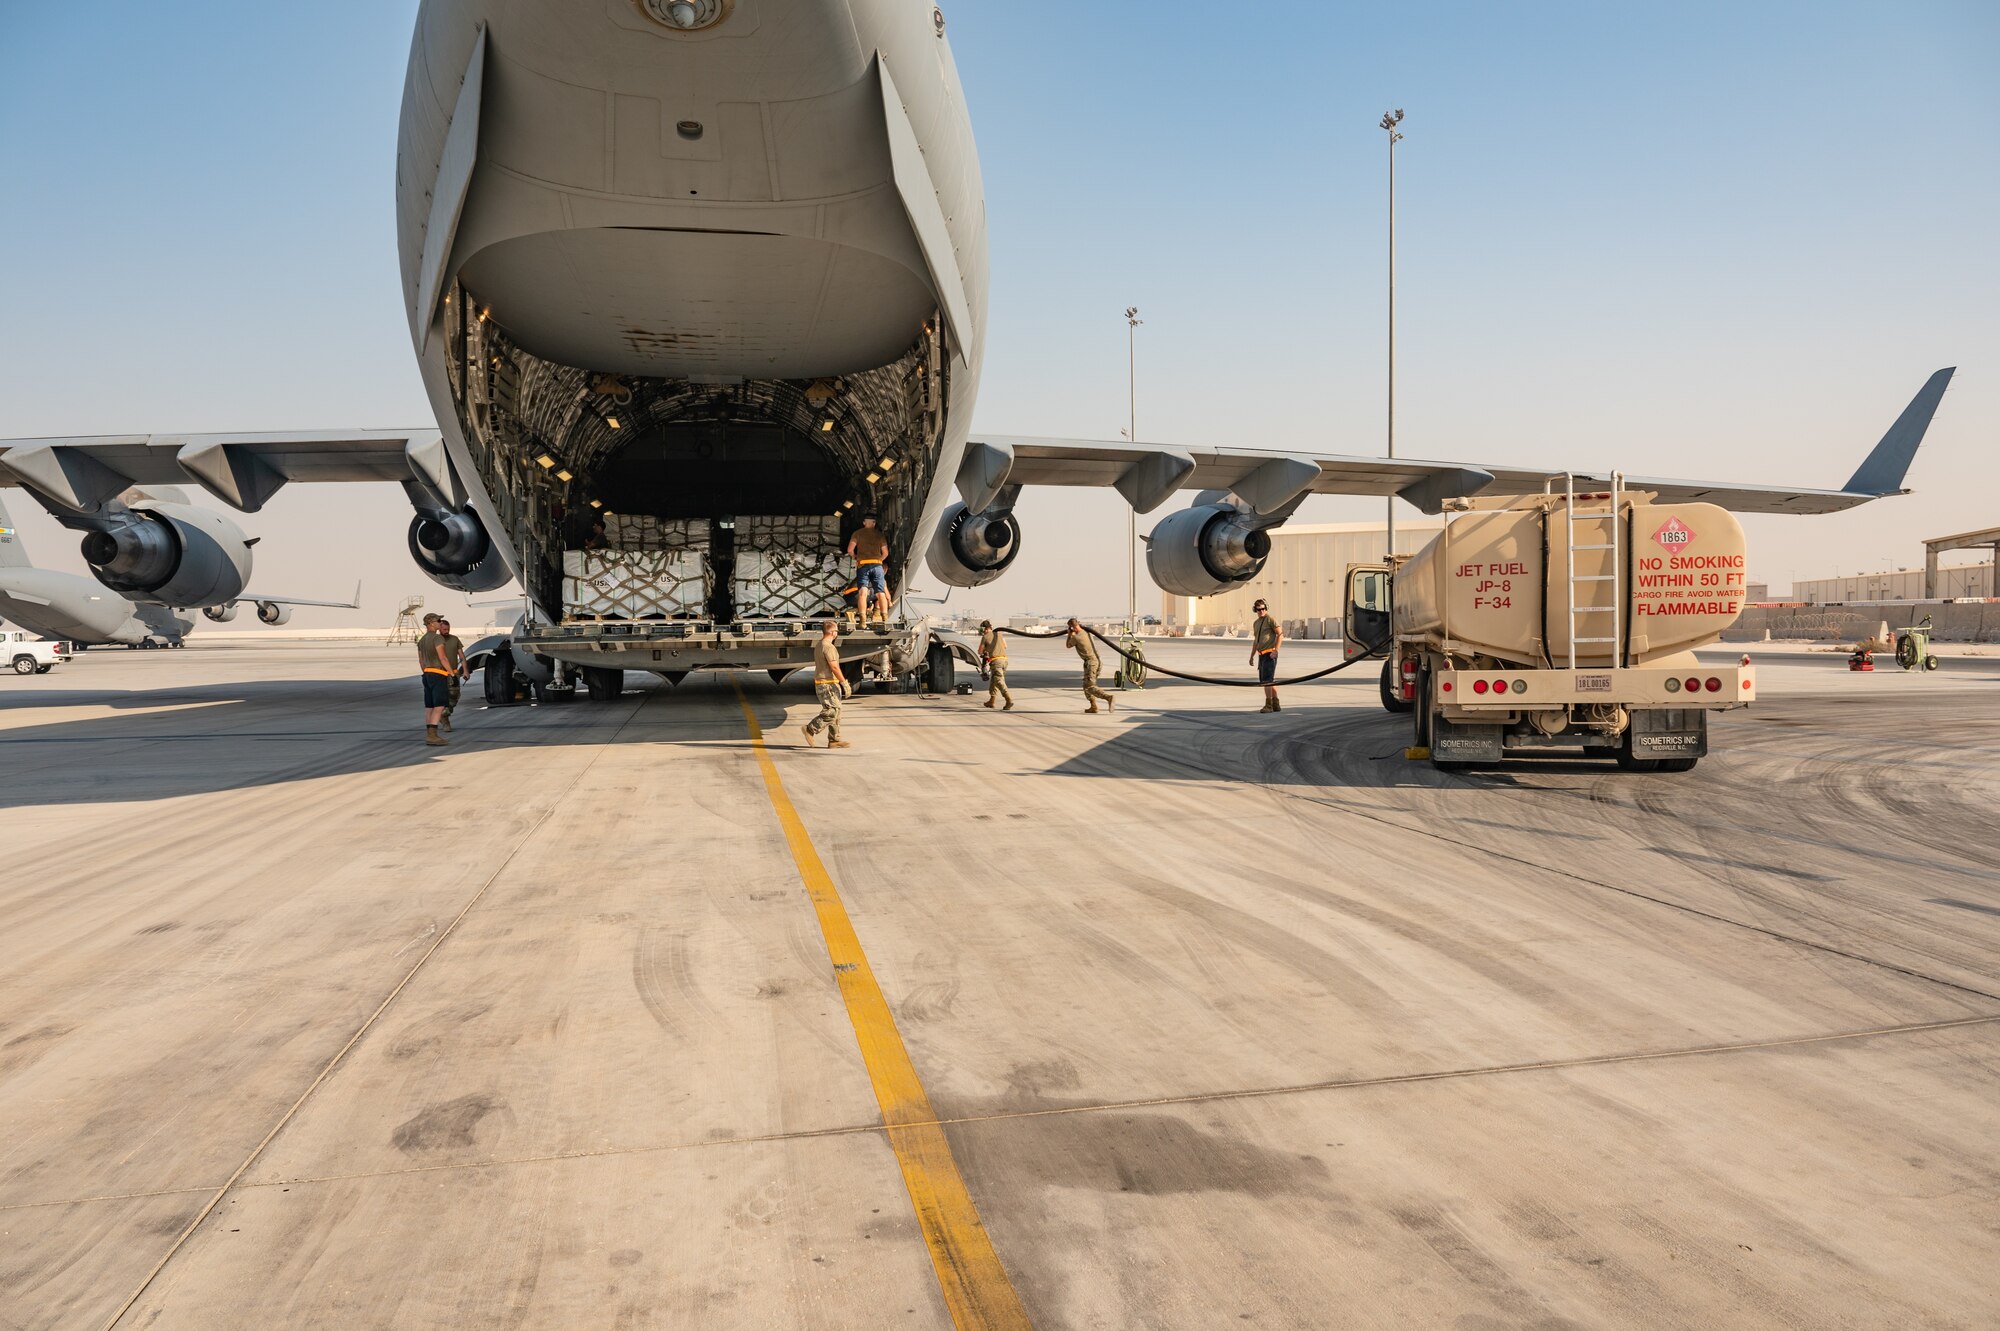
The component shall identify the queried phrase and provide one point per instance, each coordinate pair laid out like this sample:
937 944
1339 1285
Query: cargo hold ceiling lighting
686 15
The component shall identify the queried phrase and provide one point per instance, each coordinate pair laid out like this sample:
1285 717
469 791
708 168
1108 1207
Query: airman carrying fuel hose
1208 679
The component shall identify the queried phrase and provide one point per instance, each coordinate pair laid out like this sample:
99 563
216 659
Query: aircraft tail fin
13 554
1882 471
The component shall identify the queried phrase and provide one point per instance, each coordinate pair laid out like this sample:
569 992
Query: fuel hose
1206 679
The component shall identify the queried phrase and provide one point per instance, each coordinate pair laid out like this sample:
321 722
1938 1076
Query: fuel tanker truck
1561 621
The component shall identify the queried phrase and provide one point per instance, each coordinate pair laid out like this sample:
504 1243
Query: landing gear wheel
497 679
1392 689
940 669
604 683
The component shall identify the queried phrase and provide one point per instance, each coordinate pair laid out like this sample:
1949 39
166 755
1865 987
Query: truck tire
25 665
1392 691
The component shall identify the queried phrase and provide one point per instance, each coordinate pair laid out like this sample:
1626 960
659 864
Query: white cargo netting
788 567
809 534
635 584
640 531
788 584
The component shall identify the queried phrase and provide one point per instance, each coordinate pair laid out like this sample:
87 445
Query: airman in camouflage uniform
829 686
1080 642
993 654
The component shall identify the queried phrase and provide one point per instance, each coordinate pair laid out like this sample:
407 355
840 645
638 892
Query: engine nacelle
1206 549
270 612
219 614
453 549
972 549
172 554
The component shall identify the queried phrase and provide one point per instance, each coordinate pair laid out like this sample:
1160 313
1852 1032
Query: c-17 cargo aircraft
87 613
693 285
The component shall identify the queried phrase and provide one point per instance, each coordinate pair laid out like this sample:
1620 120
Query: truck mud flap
1669 732
1460 742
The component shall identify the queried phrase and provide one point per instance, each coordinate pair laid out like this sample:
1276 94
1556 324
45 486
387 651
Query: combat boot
432 738
838 744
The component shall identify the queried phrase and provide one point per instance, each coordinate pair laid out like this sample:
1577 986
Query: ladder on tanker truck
1581 582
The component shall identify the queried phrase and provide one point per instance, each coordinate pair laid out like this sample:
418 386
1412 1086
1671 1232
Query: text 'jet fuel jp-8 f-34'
696 284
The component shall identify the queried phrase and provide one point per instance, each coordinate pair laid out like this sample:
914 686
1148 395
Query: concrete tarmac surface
1178 1017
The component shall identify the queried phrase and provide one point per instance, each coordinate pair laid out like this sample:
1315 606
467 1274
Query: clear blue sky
1696 239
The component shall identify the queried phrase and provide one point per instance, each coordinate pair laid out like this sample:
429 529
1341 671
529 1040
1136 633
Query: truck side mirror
1364 629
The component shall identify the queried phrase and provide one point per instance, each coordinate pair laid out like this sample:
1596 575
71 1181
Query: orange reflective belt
1266 651
433 670
864 563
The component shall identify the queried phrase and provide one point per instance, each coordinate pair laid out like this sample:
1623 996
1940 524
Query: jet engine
220 614
453 549
270 612
971 549
170 553
1206 549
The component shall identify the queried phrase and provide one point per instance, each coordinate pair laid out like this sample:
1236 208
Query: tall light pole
1132 322
1390 120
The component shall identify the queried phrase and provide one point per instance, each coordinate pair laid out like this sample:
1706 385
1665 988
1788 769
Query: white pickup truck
28 655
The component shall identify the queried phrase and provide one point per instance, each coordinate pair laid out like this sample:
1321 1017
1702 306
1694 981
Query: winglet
1881 473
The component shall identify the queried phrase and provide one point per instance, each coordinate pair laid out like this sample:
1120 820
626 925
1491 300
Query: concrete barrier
1951 621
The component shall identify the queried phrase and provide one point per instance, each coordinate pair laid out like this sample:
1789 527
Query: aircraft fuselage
731 271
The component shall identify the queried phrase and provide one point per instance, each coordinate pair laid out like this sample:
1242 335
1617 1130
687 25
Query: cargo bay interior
714 498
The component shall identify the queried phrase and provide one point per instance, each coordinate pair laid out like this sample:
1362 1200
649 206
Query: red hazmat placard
1674 535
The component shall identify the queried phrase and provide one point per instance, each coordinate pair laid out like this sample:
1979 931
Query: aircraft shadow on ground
203 739
183 740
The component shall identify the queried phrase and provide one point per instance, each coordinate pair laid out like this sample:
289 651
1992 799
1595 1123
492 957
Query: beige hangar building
1304 579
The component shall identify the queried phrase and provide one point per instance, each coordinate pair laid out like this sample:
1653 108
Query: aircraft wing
242 470
249 599
1147 473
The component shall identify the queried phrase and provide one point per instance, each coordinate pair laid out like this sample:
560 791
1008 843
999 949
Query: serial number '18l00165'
1593 683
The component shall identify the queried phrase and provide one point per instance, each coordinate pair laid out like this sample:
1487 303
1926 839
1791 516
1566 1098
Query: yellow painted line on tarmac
975 1284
